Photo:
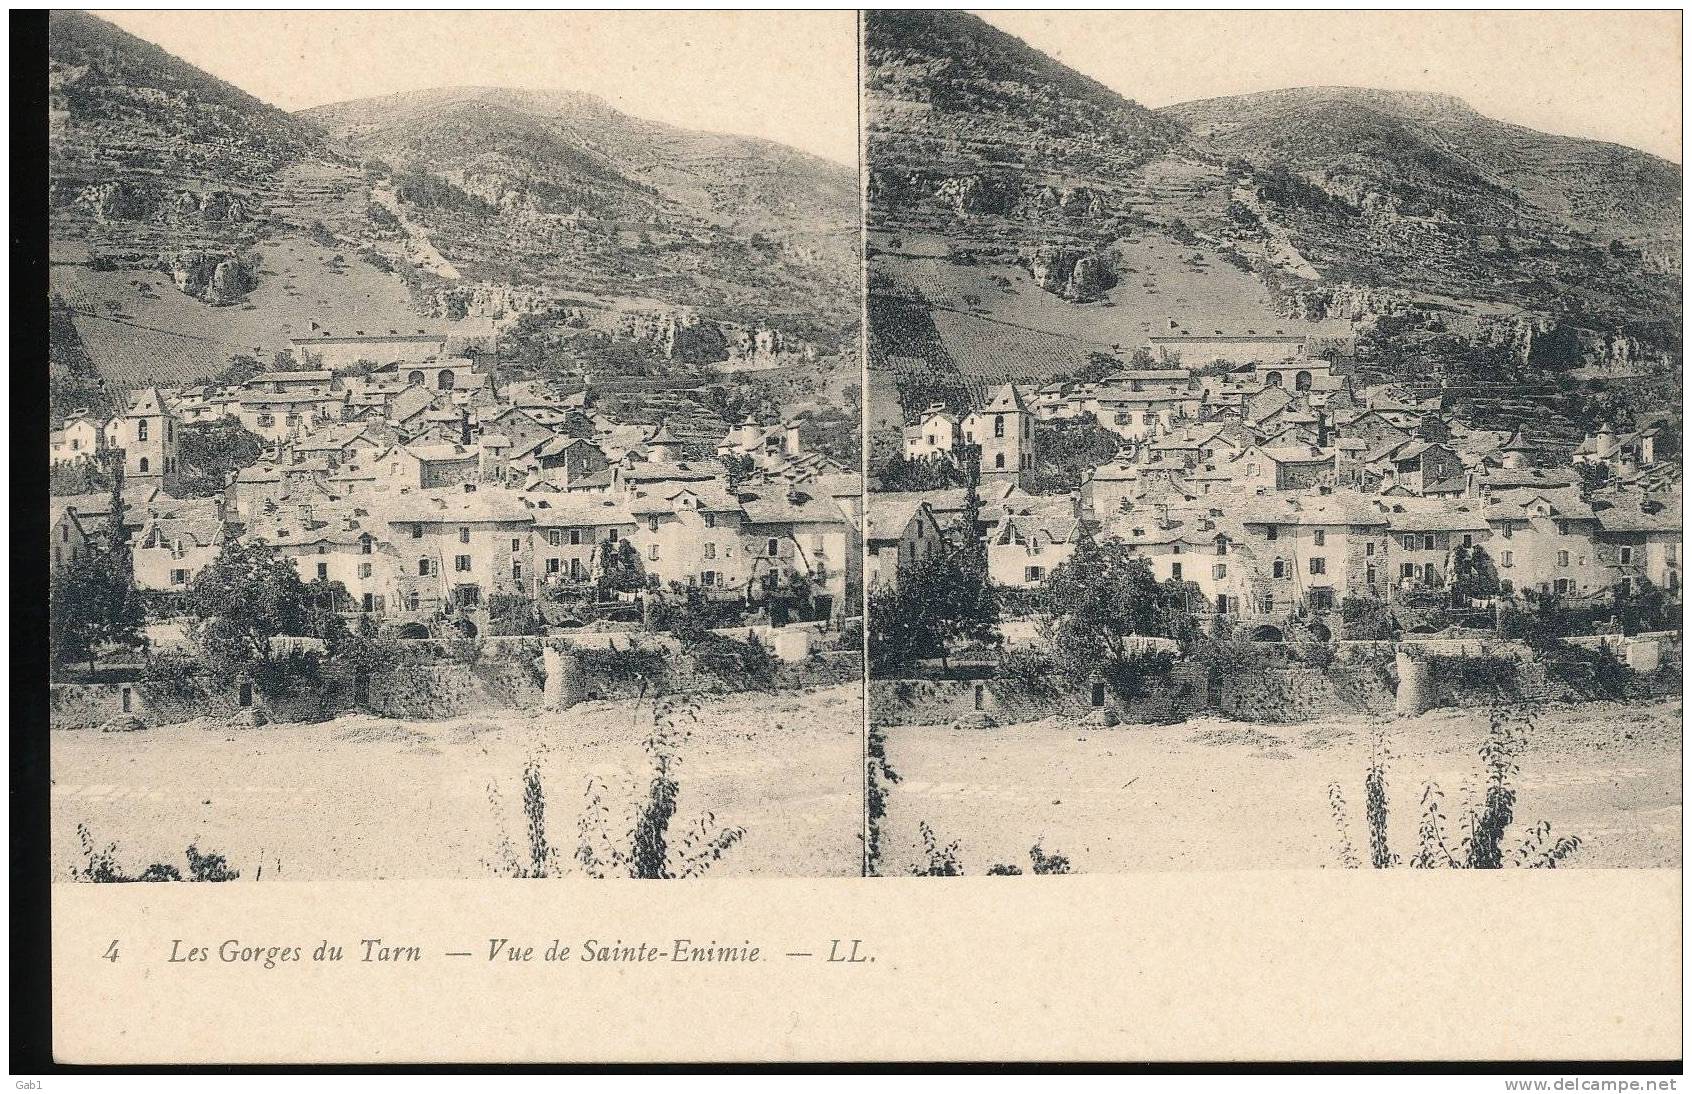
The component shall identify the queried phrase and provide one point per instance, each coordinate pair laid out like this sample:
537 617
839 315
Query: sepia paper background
1353 965
1343 965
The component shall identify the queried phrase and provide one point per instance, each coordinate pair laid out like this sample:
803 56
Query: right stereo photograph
1274 446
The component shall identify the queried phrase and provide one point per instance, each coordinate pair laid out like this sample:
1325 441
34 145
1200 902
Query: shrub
651 847
1031 671
879 779
1486 822
100 864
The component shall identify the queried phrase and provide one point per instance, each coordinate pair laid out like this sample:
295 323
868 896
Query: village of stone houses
1181 557
435 498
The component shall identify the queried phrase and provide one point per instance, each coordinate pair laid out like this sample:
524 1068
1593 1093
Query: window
577 570
707 577
998 462
1468 539
1221 546
422 567
1507 558
323 571
1407 571
1219 570
1369 575
998 425
1627 586
710 550
552 565
1428 542
1430 574
1409 543
416 531
179 577
1318 565
1098 695
1266 604
1320 537
1175 571
141 430
652 524
555 537
575 537
516 546
1221 603
1626 555
1271 533
1032 574
1562 558
64 532
365 545
771 547
1280 569
652 552
170 430
1369 549
461 564
1564 586
143 465
710 520
464 535
322 548
516 571
369 602
128 698
1507 529
611 535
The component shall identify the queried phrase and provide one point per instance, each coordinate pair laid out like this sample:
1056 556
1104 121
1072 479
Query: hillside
192 222
1436 155
1040 217
558 191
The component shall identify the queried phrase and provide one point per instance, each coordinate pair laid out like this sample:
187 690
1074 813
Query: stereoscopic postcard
1060 536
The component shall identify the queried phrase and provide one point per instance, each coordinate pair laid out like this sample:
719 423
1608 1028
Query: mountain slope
558 193
1437 155
965 119
1010 194
120 106
192 223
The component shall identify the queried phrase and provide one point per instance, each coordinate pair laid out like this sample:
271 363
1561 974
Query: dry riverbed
362 797
1215 794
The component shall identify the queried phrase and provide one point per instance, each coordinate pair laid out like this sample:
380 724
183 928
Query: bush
1486 822
1031 671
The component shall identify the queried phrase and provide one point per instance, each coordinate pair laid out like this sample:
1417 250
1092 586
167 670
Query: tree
620 570
93 604
211 451
737 468
1473 575
1098 366
251 595
1103 597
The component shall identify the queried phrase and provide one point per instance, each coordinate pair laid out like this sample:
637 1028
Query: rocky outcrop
1072 274
988 195
217 279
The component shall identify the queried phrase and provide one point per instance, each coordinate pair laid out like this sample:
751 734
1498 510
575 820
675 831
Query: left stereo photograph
456 445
